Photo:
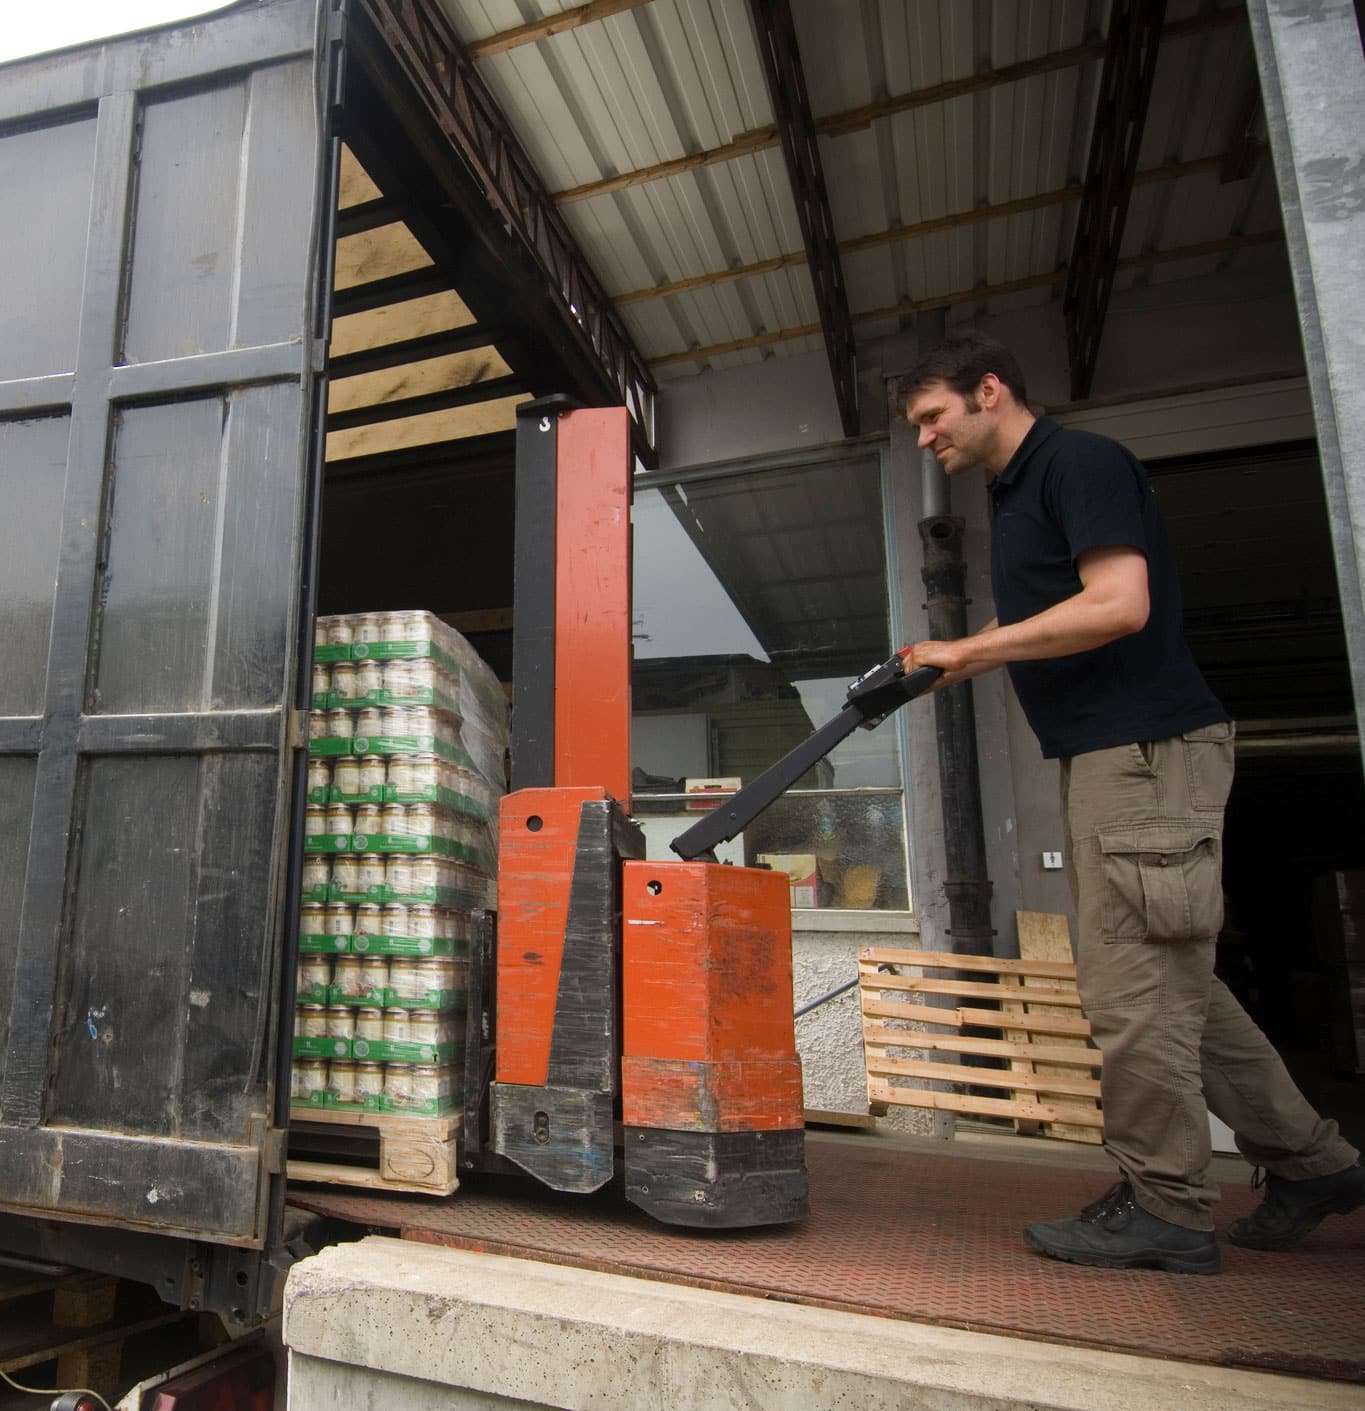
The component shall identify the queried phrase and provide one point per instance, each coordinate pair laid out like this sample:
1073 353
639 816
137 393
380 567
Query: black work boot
1117 1233
1292 1208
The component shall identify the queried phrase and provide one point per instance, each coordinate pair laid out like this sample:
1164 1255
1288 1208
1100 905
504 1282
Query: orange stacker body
636 1014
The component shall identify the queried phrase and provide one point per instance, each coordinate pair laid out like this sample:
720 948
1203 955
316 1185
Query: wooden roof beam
393 289
1120 116
367 215
786 82
551 25
491 389
836 124
1227 245
464 339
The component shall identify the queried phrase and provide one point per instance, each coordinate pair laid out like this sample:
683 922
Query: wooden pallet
1046 936
1046 1074
76 1320
417 1154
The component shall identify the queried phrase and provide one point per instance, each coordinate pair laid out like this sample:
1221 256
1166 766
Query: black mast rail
871 698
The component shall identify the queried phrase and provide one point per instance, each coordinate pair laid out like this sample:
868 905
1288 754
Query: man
1089 624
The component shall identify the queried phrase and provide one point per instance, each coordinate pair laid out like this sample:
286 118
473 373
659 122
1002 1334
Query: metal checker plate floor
931 1233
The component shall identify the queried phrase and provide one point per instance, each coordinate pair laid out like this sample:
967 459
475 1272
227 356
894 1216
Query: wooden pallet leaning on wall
1044 1080
418 1154
1047 936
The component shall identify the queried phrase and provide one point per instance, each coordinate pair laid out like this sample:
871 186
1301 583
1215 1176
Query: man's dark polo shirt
1064 492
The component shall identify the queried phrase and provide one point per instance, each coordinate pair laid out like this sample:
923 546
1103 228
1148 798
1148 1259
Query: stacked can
407 740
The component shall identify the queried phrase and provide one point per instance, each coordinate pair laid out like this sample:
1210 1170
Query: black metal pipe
968 887
825 999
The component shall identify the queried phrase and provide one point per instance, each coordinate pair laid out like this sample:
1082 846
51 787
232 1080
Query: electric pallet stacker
653 994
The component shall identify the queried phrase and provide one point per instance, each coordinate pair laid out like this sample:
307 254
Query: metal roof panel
675 78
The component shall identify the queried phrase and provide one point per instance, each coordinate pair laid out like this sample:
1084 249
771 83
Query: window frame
816 918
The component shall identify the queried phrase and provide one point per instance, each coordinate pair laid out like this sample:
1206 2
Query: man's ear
988 393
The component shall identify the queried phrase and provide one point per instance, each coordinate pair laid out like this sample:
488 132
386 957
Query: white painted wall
780 404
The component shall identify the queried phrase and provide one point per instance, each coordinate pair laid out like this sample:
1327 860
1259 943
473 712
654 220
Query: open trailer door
165 200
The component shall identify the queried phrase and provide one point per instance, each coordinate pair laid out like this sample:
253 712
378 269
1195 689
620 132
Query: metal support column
1313 87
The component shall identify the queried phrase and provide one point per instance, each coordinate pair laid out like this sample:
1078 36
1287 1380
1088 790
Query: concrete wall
1231 325
387 1323
780 404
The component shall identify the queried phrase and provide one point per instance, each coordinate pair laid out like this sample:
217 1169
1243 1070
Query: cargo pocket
1162 881
1208 756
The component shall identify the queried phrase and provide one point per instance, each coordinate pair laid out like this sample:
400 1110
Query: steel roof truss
1125 90
796 128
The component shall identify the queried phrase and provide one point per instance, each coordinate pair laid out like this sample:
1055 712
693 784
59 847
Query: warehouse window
759 594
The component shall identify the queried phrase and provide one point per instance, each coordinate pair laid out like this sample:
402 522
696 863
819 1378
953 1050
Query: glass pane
843 850
16 819
758 597
32 486
45 175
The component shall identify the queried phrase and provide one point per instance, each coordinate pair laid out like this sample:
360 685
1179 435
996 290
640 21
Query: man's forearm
1112 603
1073 626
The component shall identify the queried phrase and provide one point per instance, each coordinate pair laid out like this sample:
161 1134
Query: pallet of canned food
407 740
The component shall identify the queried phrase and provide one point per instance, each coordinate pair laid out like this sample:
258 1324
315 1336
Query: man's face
957 428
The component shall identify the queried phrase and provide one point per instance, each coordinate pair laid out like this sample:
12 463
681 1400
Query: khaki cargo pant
1145 825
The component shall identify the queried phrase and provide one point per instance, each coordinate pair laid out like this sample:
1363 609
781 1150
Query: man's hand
951 658
947 656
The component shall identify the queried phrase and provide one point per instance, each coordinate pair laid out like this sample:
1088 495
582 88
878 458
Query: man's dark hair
963 361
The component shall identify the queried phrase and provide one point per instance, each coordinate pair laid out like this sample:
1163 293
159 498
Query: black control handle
871 698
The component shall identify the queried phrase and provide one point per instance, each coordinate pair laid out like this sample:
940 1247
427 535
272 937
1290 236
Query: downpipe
967 887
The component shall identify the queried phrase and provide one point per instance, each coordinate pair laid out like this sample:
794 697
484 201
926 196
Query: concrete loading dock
908 1239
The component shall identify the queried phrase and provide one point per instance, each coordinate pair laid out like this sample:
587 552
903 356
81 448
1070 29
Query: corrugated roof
925 115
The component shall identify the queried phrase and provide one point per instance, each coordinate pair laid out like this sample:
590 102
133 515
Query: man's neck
1015 424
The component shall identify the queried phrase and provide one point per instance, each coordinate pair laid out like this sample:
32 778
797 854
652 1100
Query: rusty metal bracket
800 145
422 39
1121 113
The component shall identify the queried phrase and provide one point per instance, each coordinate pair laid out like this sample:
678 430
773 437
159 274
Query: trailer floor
930 1232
